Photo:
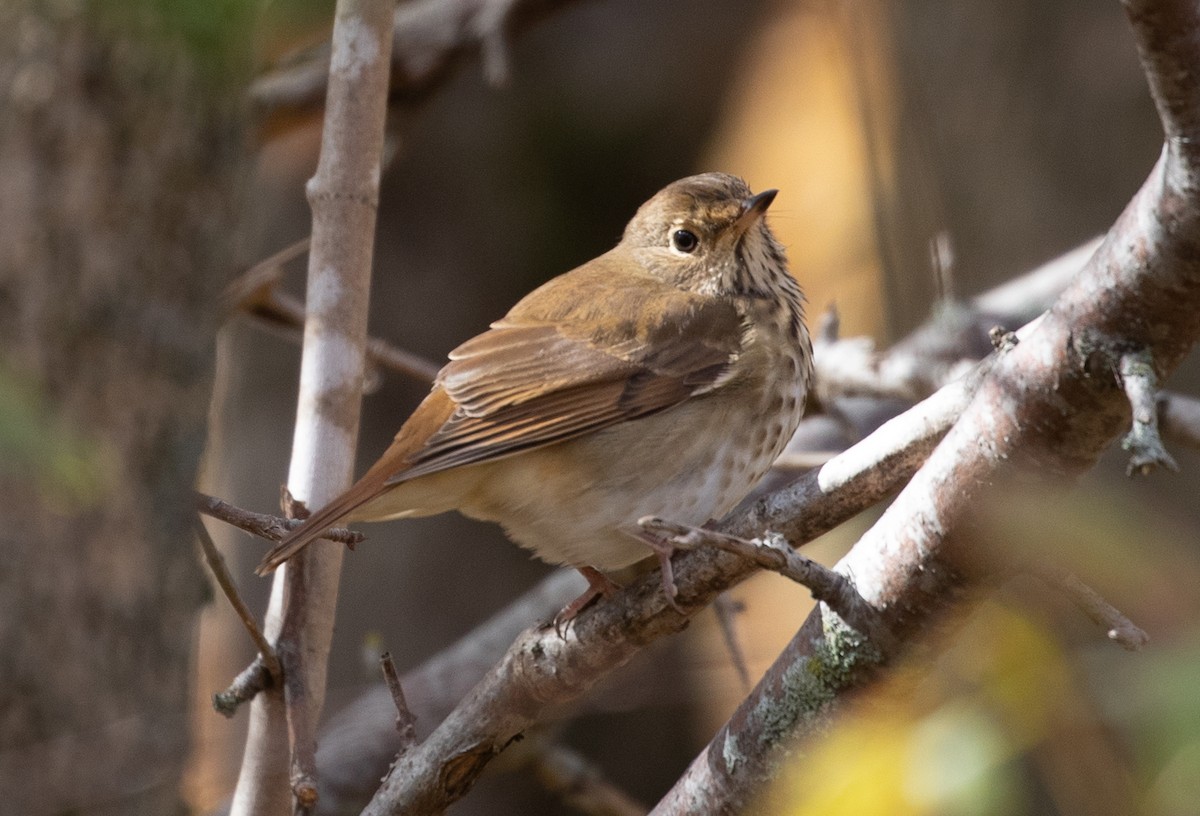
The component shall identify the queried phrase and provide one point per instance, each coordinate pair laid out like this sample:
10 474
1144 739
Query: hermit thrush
660 379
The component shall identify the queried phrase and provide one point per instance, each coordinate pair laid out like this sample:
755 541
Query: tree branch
249 682
774 553
267 657
948 344
1119 628
1147 452
344 195
541 668
361 741
256 293
1048 407
580 784
266 526
430 38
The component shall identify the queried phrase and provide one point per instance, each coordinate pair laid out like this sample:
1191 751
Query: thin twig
256 293
726 609
773 552
581 785
264 525
216 563
343 195
950 343
429 39
255 284
1143 441
285 312
382 353
1117 626
250 681
405 721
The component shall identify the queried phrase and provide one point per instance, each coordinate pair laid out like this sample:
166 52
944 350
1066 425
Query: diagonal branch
541 668
216 563
1119 628
256 293
1047 409
361 741
430 38
774 553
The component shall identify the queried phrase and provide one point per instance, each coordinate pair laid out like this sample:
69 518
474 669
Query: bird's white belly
578 502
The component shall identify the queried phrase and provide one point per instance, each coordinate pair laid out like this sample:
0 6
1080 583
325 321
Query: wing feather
550 371
586 351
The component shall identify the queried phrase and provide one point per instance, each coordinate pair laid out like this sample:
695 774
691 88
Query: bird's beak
753 209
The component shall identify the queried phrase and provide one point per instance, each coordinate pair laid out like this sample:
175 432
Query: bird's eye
684 240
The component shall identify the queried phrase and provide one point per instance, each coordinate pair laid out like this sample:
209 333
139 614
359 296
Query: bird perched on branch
660 379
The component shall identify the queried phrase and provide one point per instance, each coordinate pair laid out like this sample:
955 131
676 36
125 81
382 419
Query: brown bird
660 379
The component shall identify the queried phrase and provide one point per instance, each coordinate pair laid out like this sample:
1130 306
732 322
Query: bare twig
941 260
256 293
216 563
580 784
1141 389
382 353
541 668
264 525
254 286
430 39
362 740
406 723
1117 626
726 610
250 681
1040 410
947 345
344 196
284 312
773 552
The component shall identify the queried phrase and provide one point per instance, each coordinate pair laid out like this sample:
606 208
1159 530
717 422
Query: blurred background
1007 130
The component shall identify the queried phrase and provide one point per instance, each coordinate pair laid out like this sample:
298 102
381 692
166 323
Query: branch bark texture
360 742
1049 407
430 39
344 196
542 669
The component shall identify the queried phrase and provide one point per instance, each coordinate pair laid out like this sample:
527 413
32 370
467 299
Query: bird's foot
599 586
663 551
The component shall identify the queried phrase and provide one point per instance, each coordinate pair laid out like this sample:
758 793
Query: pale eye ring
684 241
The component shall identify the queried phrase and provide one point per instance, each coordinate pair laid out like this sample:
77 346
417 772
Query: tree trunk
118 158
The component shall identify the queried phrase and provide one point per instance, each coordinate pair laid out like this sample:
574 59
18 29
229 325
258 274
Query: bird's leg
663 551
599 585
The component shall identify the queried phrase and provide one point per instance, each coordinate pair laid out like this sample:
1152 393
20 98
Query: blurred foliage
66 467
1026 709
215 34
